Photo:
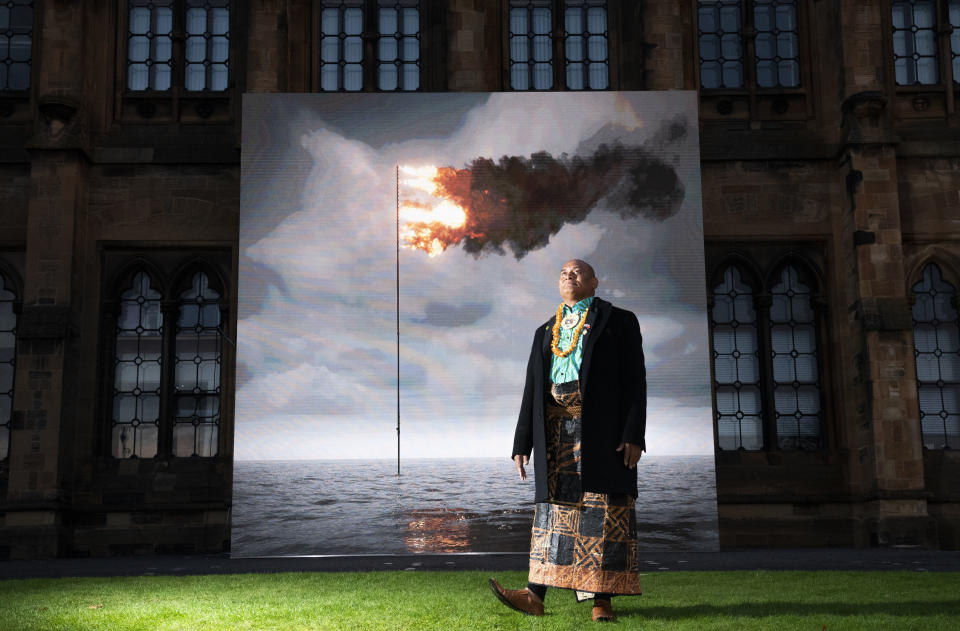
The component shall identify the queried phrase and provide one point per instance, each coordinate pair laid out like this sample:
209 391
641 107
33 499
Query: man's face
577 281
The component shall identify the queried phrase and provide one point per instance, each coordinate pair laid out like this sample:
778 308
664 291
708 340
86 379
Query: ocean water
304 507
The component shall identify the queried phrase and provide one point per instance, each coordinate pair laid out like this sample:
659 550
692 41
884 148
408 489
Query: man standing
584 416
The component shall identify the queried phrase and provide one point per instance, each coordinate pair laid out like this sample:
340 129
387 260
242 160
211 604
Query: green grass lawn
461 600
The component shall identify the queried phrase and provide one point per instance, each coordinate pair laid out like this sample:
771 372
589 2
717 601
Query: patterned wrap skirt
581 541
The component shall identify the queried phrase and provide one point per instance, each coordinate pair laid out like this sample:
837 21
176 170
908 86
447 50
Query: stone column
42 411
886 449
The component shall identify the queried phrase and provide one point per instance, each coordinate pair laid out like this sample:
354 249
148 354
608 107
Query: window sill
738 105
164 107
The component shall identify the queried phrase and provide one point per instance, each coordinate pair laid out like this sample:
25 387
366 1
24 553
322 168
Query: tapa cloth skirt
581 541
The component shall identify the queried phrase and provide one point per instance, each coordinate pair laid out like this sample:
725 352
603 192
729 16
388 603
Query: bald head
577 281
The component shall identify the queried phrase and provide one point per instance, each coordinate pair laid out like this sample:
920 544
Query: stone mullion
558 42
103 441
224 361
819 304
764 346
711 302
748 35
178 55
370 35
171 311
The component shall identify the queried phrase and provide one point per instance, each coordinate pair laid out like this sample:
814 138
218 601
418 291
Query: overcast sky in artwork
317 319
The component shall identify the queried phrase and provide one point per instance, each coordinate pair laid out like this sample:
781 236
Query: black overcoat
613 387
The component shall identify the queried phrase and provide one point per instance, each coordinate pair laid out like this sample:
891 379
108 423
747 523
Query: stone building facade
830 155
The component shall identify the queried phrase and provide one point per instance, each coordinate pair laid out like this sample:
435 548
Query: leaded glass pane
531 45
736 364
936 329
915 53
398 45
793 349
149 44
207 45
341 45
776 43
16 47
137 369
585 46
953 11
197 370
719 36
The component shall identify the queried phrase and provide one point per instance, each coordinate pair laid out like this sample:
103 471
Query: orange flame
431 220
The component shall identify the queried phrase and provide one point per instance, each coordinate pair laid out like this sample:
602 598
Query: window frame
14 284
615 39
431 64
761 279
161 107
15 104
948 273
921 100
170 280
753 101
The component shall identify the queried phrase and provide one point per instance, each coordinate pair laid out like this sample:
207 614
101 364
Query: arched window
197 374
793 349
138 363
8 347
936 347
765 361
736 362
163 394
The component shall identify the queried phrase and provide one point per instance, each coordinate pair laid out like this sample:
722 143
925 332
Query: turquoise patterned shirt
567 368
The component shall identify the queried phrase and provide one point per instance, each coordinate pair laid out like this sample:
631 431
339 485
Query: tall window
773 51
16 44
531 45
915 42
736 362
138 364
395 60
8 347
581 62
197 374
158 59
796 379
166 379
921 29
936 347
766 375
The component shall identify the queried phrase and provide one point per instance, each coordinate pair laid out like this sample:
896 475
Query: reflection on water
437 530
464 505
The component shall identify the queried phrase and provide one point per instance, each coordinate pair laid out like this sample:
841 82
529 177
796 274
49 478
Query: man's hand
631 454
520 461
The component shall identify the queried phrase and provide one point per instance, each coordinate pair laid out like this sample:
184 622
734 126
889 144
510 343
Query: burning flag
519 203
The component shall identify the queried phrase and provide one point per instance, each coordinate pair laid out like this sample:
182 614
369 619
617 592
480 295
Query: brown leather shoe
603 611
522 600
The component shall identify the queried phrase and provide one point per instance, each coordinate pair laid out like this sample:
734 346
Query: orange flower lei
556 333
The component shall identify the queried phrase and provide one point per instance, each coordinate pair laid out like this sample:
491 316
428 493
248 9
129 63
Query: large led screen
397 252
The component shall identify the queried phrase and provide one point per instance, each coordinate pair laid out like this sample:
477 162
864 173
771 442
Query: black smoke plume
520 203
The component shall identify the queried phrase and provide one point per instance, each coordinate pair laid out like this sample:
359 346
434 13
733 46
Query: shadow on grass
766 609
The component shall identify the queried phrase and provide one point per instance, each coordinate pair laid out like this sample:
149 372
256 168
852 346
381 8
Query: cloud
449 315
317 344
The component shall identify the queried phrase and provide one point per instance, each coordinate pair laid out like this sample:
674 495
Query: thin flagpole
398 317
